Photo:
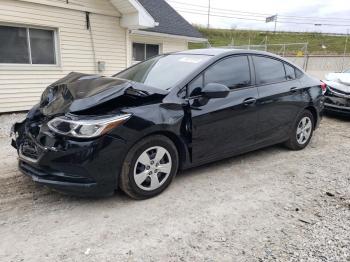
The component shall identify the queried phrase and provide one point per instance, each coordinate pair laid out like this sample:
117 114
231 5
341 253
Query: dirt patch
268 205
6 122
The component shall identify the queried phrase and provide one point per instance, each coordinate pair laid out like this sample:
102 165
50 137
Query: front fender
171 121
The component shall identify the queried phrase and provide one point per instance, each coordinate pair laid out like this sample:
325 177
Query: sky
320 12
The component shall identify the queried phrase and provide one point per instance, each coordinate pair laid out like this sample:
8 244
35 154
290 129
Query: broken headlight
87 127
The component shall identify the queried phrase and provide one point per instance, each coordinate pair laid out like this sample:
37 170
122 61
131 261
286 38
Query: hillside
318 44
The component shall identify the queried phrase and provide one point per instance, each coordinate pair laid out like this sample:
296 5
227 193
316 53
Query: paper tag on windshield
193 60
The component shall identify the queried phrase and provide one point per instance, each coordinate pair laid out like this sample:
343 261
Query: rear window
268 70
298 73
290 72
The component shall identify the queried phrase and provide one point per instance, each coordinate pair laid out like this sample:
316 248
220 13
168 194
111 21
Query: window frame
298 75
284 68
251 73
293 68
57 53
257 80
295 71
144 51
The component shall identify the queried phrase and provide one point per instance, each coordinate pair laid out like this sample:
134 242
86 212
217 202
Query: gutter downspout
88 27
128 48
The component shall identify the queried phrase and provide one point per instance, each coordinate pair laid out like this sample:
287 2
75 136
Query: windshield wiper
136 92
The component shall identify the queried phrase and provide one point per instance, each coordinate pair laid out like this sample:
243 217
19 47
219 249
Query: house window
141 52
24 45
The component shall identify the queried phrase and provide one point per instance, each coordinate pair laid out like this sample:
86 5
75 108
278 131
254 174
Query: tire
152 159
296 142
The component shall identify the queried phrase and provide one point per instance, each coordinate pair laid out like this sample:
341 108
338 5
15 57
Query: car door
225 125
279 93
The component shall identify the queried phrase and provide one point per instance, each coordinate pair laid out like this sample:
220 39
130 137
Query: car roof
222 51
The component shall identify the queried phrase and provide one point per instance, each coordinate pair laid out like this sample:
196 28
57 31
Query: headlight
86 128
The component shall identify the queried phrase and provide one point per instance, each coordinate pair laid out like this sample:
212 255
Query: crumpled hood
76 92
343 78
339 81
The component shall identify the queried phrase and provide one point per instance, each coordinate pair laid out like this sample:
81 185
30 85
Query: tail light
323 87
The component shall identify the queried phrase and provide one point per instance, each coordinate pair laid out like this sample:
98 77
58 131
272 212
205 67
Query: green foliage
223 37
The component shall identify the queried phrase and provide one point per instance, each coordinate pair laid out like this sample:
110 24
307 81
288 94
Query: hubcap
152 168
304 130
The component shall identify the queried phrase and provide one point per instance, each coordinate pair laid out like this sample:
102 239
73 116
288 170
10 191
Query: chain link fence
297 53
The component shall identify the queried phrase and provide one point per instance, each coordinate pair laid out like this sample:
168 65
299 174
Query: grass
222 37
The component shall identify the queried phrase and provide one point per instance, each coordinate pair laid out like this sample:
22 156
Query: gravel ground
269 205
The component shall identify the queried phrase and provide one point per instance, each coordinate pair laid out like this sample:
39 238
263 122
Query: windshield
163 71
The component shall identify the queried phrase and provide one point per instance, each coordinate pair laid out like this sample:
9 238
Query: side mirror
215 90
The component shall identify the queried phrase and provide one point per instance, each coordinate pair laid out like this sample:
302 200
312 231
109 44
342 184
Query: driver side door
223 126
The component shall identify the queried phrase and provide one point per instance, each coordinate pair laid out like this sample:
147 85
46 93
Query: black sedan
90 135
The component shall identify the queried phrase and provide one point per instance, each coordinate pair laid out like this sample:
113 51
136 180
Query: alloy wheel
152 168
304 130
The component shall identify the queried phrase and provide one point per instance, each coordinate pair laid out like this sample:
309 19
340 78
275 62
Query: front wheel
302 131
149 167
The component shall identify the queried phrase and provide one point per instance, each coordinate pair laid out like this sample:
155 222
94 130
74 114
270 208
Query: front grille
30 149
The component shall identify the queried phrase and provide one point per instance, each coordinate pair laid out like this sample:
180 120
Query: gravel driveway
269 205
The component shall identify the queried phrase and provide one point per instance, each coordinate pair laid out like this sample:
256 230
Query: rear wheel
302 131
149 167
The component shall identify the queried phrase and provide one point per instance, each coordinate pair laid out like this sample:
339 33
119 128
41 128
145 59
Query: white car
337 95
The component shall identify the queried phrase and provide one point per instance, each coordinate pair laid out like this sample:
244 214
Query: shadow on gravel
22 191
230 161
337 116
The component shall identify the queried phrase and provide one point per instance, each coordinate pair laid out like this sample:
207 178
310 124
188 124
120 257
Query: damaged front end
67 140
337 96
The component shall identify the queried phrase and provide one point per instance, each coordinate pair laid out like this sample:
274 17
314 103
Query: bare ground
269 205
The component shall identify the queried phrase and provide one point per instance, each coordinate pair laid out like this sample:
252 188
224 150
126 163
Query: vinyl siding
174 45
22 85
93 6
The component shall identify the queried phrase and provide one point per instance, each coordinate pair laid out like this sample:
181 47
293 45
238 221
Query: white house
43 40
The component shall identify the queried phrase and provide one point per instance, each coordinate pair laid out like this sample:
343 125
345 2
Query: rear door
224 125
279 96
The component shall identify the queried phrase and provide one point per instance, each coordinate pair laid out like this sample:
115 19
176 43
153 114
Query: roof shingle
170 22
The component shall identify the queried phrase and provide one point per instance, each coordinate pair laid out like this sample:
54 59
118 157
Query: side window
233 72
298 73
268 70
290 72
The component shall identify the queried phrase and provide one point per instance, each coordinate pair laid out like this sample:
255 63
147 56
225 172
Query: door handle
249 101
293 89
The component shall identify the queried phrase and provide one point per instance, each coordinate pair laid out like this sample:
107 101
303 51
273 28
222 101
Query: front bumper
337 103
76 167
341 110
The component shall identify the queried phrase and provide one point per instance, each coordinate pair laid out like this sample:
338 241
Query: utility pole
275 23
209 14
233 27
345 47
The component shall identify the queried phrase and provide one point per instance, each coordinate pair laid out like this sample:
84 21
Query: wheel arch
181 146
313 111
